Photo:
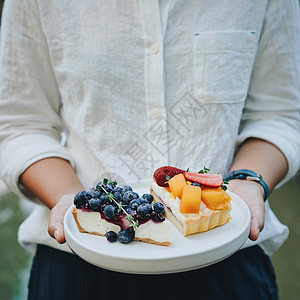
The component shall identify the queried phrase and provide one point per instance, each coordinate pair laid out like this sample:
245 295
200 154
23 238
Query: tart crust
145 240
195 223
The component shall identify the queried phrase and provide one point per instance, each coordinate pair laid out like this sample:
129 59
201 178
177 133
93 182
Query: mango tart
194 202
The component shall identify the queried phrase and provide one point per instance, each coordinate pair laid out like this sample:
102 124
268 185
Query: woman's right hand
56 220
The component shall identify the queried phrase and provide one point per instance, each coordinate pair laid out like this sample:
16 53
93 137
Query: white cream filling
159 232
92 221
174 204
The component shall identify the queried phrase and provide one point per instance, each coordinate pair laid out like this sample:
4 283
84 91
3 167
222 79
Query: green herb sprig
205 170
223 186
133 223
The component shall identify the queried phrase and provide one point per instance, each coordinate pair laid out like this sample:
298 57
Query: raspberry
163 174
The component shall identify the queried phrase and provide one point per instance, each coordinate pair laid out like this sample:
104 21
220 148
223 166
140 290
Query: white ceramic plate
186 253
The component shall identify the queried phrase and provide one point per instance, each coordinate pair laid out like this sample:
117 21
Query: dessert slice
121 214
194 202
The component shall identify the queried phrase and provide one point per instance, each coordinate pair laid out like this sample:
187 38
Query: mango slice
190 200
215 198
176 185
169 190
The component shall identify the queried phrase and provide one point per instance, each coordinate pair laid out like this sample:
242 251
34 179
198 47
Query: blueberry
144 209
134 204
104 198
156 217
142 200
80 199
106 182
118 196
195 184
125 236
159 207
129 210
107 187
111 236
148 197
95 204
110 211
93 193
103 205
128 196
127 188
98 185
135 195
117 189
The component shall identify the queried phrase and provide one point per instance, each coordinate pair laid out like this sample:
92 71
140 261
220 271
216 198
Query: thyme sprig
205 170
133 223
223 186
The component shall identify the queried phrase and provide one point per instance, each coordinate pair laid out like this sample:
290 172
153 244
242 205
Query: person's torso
149 83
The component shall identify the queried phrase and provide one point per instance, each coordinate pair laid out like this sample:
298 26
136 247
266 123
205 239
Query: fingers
56 220
252 193
257 211
254 229
56 225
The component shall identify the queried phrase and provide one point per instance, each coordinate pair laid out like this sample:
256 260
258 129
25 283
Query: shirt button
155 113
154 48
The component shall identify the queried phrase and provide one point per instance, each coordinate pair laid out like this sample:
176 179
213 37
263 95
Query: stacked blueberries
115 202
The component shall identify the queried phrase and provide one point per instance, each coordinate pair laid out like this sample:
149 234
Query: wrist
249 175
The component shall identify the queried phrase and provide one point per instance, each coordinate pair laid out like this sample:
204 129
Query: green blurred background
15 261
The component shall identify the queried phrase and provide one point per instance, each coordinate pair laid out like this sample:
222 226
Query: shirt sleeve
272 109
30 125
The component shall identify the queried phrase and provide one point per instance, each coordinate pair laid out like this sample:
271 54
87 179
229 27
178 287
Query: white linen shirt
135 85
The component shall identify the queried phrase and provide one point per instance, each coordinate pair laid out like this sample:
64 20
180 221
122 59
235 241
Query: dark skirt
248 274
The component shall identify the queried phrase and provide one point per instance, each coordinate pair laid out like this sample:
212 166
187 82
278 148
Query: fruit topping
117 195
142 200
134 204
128 196
125 236
108 187
127 188
144 210
215 198
163 174
206 179
159 207
192 188
148 197
110 211
80 199
111 236
176 185
190 200
93 193
94 204
157 217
